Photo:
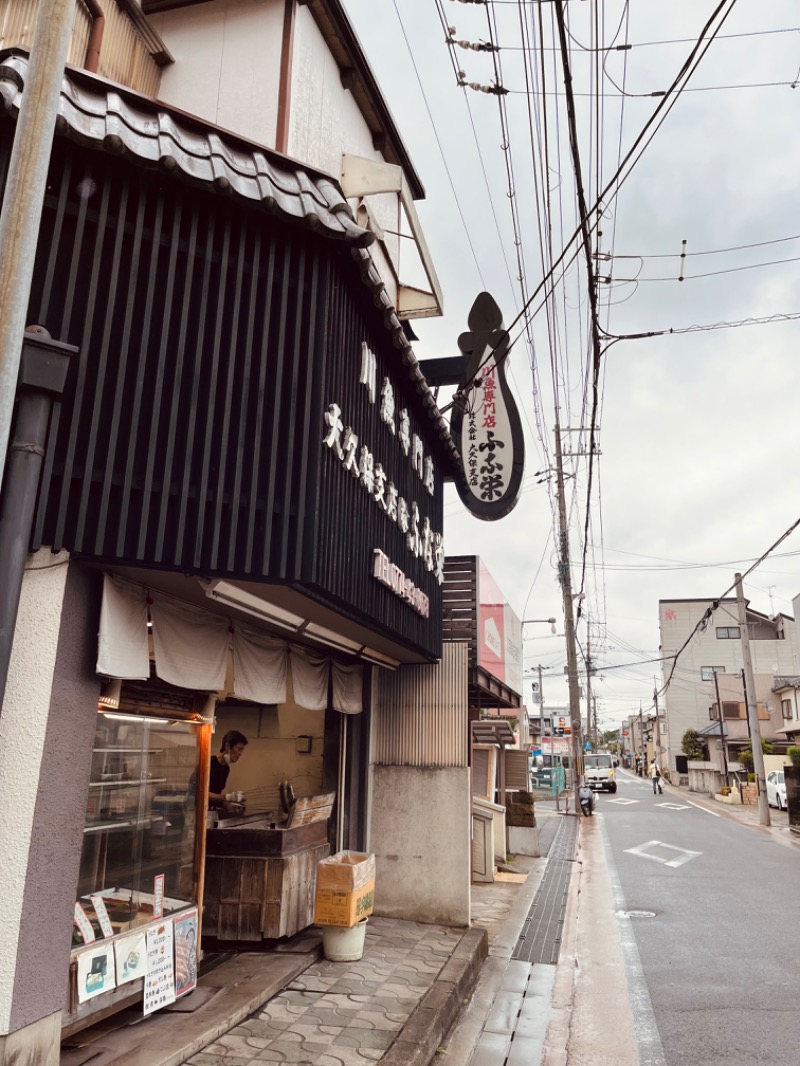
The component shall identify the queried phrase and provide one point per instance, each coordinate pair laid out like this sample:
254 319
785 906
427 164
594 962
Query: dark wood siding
212 338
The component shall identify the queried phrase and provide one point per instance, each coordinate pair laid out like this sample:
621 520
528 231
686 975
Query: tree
746 754
691 745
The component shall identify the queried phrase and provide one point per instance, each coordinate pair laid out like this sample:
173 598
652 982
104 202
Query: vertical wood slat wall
124 57
173 443
422 716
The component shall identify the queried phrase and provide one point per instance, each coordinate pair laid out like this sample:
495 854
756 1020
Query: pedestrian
655 774
638 766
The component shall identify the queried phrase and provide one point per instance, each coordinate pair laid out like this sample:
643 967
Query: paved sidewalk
395 1006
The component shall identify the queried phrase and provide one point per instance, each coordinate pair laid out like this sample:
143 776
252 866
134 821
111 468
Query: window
707 672
729 710
786 710
728 633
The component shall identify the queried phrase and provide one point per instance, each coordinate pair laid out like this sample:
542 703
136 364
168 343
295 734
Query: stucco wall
227 63
420 835
46 732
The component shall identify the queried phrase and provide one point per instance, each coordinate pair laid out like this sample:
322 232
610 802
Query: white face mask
227 757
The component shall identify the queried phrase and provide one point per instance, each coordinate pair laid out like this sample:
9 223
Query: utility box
345 889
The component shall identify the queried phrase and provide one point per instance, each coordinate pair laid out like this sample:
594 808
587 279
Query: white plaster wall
227 63
420 834
23 727
325 122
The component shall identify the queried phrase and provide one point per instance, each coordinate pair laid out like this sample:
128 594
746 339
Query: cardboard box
345 889
345 909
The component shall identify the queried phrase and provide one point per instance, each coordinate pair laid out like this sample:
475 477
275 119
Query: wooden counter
261 877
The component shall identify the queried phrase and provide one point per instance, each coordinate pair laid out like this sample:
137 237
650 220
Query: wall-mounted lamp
551 621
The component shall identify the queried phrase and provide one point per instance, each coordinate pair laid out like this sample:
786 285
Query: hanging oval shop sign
485 421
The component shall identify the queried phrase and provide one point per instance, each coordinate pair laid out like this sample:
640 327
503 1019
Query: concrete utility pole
589 682
721 727
24 192
569 625
752 709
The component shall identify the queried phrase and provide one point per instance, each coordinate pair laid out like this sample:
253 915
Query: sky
697 471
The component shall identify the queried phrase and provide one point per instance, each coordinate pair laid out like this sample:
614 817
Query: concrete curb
431 1019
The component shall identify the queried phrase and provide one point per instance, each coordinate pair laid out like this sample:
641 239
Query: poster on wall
159 983
95 972
131 956
185 953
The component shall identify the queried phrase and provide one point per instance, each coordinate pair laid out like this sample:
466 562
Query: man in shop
232 749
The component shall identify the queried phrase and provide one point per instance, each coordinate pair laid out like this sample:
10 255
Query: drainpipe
92 60
42 376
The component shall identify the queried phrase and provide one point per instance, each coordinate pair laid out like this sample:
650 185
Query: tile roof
101 114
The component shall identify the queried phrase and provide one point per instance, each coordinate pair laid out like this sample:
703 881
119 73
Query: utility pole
721 727
24 192
569 625
589 683
752 710
596 737
641 736
657 741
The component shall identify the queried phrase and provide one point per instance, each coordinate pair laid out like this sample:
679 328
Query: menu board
186 952
95 972
131 955
159 983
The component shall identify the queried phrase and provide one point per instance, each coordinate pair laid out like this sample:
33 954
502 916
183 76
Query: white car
776 790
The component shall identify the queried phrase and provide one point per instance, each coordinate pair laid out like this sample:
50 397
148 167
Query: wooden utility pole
752 709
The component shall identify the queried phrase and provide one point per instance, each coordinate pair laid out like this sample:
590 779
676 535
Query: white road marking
674 806
684 855
651 1051
624 802
715 814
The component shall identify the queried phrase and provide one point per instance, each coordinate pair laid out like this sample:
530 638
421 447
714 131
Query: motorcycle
587 802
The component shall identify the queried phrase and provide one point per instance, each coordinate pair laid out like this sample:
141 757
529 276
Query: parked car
776 790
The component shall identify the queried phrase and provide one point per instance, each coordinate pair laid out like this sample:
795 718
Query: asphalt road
712 959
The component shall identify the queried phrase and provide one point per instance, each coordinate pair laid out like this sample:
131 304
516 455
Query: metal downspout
43 374
92 60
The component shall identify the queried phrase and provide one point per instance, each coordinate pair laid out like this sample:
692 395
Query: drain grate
540 939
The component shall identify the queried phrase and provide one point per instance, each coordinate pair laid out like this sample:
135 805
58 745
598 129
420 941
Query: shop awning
497 732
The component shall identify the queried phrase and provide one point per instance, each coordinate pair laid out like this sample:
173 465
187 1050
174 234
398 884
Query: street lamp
550 621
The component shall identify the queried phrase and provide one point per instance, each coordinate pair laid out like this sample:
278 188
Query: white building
691 699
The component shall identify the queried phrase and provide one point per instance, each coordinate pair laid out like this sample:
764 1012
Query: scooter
586 797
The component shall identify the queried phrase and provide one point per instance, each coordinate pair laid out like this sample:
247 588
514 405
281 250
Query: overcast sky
699 431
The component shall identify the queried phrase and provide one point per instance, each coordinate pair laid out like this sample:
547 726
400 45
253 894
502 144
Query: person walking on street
655 774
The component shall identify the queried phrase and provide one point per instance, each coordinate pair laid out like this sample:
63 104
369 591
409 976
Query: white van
598 769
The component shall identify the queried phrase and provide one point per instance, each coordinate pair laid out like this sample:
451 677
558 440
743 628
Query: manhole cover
640 914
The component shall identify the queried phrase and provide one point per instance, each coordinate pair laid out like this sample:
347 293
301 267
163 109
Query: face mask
227 758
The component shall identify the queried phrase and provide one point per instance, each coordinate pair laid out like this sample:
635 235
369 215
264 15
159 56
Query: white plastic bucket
344 945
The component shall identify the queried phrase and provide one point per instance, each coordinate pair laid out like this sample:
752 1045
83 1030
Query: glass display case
141 821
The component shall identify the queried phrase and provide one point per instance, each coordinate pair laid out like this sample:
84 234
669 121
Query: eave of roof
105 116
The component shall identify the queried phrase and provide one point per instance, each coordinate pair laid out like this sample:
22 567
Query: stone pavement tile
238 1042
502 1016
401 991
267 1029
356 986
516 976
281 1012
542 979
307 982
349 1056
340 1016
315 1034
491 1050
375 1020
525 1051
291 1053
298 998
364 1038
